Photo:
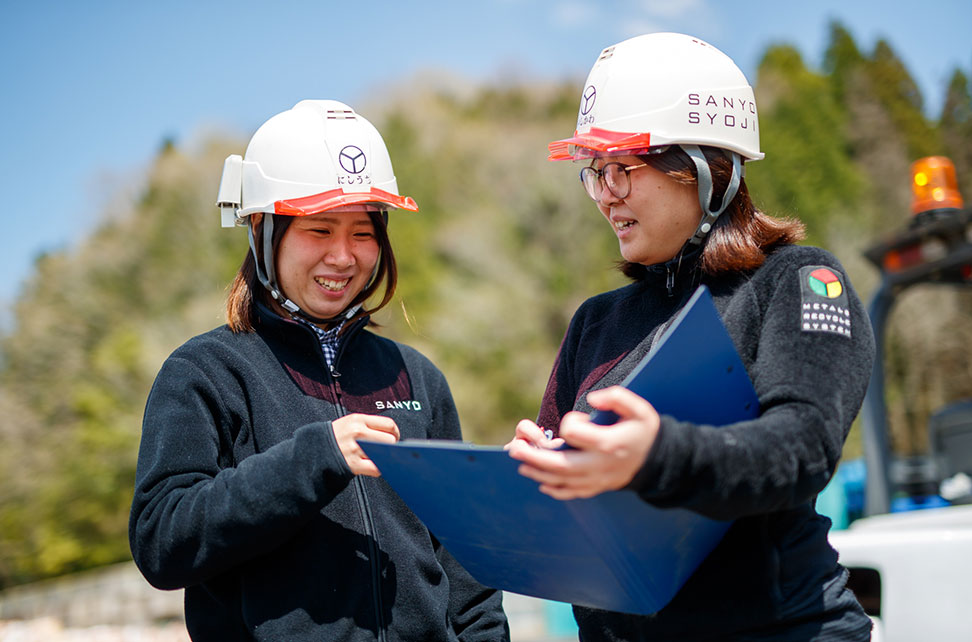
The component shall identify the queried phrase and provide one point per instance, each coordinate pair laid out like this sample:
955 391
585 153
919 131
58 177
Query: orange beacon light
933 185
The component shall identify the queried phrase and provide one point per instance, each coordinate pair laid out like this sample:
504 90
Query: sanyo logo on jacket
398 405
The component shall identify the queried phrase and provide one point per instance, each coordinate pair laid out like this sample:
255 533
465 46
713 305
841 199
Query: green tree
956 126
897 91
808 172
841 61
90 332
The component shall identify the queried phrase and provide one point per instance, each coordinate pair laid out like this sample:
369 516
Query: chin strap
266 272
709 215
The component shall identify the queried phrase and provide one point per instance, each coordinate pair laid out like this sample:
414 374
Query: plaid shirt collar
329 339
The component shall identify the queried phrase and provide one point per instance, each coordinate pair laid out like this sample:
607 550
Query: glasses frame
592 179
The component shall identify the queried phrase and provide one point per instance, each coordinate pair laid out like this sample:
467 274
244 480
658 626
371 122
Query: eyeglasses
614 176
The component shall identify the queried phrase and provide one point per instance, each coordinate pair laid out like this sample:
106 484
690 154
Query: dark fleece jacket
807 345
243 497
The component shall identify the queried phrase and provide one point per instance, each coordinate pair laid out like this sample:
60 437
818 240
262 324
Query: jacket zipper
373 554
363 506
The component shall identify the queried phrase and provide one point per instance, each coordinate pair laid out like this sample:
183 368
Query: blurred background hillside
504 248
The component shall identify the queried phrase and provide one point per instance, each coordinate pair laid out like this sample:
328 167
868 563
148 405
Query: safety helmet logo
352 159
588 99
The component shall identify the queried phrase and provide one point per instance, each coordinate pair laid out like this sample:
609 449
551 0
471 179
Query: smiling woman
671 186
353 231
252 491
651 213
326 260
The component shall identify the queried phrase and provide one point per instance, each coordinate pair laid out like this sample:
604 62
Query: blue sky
91 89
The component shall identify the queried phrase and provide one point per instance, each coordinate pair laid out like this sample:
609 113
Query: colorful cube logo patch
824 301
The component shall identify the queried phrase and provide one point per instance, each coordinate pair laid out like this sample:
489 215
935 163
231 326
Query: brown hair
742 236
246 288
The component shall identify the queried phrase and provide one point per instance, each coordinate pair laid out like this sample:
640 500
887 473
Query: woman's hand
530 434
350 428
607 457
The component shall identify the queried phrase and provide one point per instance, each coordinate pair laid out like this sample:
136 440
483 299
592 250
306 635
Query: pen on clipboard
550 435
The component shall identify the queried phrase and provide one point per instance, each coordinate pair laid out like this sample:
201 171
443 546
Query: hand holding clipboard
612 551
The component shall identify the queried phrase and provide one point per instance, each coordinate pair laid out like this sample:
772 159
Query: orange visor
598 142
316 203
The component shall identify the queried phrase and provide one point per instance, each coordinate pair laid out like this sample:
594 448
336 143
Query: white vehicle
912 572
910 556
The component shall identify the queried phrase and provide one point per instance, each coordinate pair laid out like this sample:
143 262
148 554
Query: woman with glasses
251 491
666 122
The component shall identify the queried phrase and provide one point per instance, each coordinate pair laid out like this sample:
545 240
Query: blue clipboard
612 551
694 354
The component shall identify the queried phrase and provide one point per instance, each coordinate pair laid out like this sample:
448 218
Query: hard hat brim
331 199
597 142
603 142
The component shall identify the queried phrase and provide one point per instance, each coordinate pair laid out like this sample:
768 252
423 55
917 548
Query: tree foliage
504 248
810 174
956 126
90 333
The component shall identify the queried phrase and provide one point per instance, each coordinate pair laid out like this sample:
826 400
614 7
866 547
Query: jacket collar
675 274
297 333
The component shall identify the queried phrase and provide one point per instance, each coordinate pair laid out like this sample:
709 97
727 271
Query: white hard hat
663 89
317 156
